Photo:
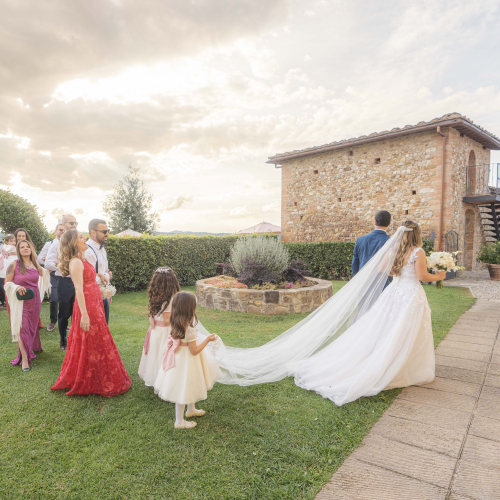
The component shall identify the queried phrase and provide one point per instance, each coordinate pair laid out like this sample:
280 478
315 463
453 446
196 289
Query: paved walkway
440 441
478 282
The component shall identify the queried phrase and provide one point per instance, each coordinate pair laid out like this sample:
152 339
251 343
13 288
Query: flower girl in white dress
187 373
162 288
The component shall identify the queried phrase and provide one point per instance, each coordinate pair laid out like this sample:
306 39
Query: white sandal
185 425
195 413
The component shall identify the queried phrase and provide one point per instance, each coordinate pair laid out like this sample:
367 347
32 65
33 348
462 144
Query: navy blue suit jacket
366 247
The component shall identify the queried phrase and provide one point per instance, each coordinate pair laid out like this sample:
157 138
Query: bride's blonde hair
410 239
68 250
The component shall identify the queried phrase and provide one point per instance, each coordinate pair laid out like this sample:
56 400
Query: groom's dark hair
383 218
94 224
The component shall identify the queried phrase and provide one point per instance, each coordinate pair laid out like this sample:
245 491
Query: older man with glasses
96 255
65 287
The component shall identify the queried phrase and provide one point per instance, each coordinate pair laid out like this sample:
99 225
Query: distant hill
195 233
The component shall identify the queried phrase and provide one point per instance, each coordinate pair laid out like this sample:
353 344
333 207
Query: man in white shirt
65 288
96 255
53 278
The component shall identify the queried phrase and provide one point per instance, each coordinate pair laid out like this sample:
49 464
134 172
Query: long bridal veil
270 362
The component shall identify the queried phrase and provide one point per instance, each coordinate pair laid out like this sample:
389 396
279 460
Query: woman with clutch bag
21 286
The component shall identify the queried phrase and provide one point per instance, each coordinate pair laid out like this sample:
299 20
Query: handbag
30 294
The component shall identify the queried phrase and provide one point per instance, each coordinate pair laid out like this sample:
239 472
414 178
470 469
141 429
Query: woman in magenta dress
92 364
25 272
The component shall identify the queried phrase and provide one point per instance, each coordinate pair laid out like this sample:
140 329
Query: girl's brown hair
68 250
183 314
8 237
21 229
411 239
162 288
22 266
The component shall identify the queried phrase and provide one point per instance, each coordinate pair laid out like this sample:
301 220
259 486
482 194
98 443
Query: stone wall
269 302
334 196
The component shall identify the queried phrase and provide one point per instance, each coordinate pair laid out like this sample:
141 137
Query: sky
199 93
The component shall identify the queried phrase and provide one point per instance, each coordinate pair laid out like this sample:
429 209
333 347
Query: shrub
490 254
427 246
262 251
16 212
256 274
225 282
296 271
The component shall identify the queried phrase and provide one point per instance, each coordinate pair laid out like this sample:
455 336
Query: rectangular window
406 212
340 199
377 160
316 172
413 192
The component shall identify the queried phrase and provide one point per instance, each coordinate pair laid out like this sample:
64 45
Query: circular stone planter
269 302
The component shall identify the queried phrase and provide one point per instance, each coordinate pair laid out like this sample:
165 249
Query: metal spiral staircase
483 189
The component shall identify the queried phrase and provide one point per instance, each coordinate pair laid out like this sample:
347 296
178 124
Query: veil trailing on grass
271 362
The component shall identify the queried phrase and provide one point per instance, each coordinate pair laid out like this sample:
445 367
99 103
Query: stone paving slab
424 465
482 450
463 353
477 481
492 380
465 345
455 386
489 408
430 415
357 480
486 428
439 440
490 393
471 339
449 400
465 364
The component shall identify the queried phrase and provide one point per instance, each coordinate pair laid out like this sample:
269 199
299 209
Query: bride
363 340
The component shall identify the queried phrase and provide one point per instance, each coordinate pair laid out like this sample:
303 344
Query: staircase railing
482 180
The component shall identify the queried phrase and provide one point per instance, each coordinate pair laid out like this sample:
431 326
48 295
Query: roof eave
488 141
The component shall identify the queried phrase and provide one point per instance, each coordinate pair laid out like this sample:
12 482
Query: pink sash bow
169 354
152 324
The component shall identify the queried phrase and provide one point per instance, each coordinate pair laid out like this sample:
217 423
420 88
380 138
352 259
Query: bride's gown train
361 341
390 346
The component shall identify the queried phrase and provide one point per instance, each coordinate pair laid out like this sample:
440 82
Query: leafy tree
130 205
16 212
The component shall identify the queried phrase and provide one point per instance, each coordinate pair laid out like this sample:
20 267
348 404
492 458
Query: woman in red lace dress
92 364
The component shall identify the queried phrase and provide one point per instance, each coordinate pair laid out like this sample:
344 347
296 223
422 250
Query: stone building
332 192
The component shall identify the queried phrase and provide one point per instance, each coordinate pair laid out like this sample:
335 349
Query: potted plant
490 255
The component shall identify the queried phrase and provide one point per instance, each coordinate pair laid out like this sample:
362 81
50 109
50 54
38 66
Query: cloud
177 203
238 211
275 206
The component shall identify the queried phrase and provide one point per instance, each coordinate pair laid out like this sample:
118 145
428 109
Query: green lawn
264 442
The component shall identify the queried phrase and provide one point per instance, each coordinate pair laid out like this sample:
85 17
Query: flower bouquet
107 291
442 261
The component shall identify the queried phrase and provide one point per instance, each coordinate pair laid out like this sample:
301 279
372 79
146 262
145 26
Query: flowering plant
442 261
223 281
107 291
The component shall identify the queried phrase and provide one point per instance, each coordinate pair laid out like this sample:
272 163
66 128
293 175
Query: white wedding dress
361 341
390 346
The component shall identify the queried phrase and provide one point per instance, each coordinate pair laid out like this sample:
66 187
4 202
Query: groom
367 246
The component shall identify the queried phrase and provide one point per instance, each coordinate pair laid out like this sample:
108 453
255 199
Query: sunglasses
71 223
106 231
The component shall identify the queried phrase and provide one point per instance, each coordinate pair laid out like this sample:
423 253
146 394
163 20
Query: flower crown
163 270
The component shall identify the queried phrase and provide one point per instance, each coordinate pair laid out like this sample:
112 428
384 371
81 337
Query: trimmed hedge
330 260
134 260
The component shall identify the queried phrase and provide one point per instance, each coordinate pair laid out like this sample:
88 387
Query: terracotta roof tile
450 116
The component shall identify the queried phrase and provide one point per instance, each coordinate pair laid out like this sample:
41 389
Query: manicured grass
264 442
